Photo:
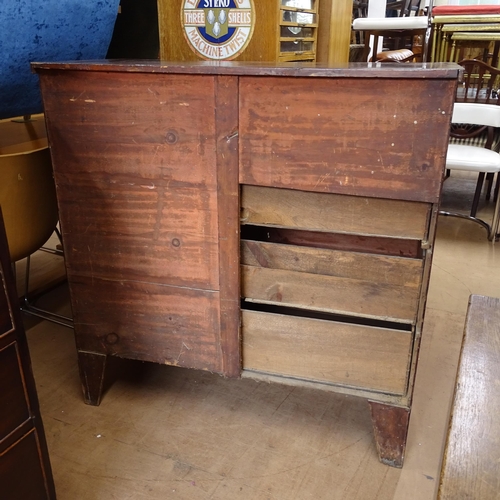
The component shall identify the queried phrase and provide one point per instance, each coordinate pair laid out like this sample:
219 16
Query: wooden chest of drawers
267 221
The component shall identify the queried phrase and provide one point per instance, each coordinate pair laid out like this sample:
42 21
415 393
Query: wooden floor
169 433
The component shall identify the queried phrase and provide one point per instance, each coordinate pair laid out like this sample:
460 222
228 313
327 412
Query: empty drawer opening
338 318
335 241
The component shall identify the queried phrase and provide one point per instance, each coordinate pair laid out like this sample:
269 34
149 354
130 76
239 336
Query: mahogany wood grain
149 322
429 71
13 394
471 459
148 171
346 138
137 186
347 354
440 71
226 112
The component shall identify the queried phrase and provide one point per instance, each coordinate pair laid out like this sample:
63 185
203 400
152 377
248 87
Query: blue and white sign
218 29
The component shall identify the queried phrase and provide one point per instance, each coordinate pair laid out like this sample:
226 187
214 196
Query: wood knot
112 338
176 242
171 137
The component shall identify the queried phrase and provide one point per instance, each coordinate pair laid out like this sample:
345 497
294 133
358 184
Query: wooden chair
396 56
403 8
403 29
480 84
474 158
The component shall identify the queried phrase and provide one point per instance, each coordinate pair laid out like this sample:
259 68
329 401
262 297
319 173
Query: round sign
218 29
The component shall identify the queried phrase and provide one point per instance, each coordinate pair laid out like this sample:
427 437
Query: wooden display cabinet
269 221
298 20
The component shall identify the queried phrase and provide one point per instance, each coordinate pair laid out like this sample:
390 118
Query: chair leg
29 308
477 194
494 224
489 178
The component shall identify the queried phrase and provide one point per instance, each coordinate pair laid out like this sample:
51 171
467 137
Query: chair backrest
403 8
480 84
476 114
475 124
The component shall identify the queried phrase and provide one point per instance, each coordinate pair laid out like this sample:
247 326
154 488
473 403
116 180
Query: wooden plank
470 466
150 322
396 271
161 235
426 72
146 171
330 294
357 142
226 111
348 354
335 213
334 31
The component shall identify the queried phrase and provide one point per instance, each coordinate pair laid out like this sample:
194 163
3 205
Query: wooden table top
347 70
471 467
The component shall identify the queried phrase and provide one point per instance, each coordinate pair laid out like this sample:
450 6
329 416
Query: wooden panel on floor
353 355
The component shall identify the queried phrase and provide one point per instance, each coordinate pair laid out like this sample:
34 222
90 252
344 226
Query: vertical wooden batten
334 32
226 125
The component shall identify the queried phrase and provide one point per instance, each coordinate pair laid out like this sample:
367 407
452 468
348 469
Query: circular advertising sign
218 29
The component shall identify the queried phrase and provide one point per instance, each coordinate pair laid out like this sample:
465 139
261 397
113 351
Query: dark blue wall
47 31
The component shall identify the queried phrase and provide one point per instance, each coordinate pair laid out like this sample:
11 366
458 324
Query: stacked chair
403 30
475 139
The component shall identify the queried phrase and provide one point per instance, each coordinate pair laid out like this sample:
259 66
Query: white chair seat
481 160
472 158
390 23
